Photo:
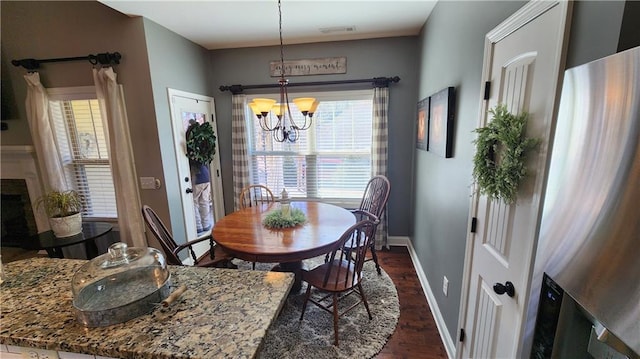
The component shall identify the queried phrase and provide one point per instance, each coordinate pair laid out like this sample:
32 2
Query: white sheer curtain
113 111
37 104
239 147
379 144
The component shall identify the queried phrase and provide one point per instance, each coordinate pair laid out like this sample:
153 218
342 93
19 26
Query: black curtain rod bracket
376 82
107 58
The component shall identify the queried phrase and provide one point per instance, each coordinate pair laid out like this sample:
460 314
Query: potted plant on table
63 209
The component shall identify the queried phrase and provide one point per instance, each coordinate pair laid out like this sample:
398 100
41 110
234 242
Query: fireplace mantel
18 150
20 162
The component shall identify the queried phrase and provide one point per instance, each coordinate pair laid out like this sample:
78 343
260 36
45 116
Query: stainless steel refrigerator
589 244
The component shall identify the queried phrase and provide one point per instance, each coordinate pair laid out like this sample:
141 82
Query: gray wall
176 63
630 27
365 59
595 29
451 53
44 29
451 46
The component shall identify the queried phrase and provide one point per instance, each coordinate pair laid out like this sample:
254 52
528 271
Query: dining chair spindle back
374 202
215 257
254 195
376 195
341 274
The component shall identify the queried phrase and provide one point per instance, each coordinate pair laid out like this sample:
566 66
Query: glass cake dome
120 285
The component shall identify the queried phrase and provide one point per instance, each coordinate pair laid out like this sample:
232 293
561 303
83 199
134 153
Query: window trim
71 93
74 93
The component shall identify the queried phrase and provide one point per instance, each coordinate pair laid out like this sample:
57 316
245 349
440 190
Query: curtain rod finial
29 64
105 58
235 89
384 81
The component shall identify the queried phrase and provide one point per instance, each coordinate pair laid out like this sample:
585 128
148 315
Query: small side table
53 245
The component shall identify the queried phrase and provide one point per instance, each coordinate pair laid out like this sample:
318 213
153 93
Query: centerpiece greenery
501 147
276 219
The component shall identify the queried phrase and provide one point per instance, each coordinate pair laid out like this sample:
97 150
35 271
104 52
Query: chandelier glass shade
284 128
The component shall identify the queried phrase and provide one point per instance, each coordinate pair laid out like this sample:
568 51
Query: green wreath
501 146
201 143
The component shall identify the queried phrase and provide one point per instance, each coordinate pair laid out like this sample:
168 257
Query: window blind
82 144
331 161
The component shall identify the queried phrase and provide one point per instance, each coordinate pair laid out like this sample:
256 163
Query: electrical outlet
32 353
147 183
445 286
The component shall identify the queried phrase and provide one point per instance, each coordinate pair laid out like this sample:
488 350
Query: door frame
520 18
214 166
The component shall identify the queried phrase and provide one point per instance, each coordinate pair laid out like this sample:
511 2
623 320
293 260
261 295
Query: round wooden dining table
243 235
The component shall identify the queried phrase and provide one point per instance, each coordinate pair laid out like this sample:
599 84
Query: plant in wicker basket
501 147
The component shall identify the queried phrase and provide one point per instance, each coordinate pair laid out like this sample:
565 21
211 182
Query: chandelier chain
282 132
281 43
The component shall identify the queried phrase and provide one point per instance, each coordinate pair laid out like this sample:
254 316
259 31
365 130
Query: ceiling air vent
327 30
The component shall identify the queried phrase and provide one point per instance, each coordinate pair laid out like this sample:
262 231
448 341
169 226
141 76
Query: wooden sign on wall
306 67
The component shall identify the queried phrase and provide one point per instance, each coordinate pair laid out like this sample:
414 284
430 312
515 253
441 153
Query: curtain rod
376 82
104 59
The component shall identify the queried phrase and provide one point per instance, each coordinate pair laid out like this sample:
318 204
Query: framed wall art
422 124
440 134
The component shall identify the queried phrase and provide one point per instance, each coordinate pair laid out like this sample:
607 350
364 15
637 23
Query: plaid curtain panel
379 144
239 147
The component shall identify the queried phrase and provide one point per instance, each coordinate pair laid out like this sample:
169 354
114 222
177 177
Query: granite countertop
224 313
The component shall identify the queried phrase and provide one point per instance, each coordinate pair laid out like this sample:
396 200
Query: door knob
189 190
507 287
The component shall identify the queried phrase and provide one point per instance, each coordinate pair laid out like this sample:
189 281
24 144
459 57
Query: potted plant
63 209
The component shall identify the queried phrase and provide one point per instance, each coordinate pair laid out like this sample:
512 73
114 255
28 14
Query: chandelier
283 127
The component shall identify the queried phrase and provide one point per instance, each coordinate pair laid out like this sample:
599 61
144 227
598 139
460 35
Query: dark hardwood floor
416 335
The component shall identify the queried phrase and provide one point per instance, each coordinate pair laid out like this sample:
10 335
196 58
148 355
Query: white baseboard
449 344
398 241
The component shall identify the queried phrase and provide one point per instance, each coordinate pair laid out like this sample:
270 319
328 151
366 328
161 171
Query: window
81 139
331 161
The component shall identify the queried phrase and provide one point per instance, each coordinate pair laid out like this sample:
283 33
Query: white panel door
184 108
522 63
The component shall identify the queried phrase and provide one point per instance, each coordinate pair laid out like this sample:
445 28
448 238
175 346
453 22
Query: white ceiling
220 24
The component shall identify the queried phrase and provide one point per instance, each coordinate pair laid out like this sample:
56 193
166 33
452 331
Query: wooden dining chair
255 194
374 201
341 274
215 257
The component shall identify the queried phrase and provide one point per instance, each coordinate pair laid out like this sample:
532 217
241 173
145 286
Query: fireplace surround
21 185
